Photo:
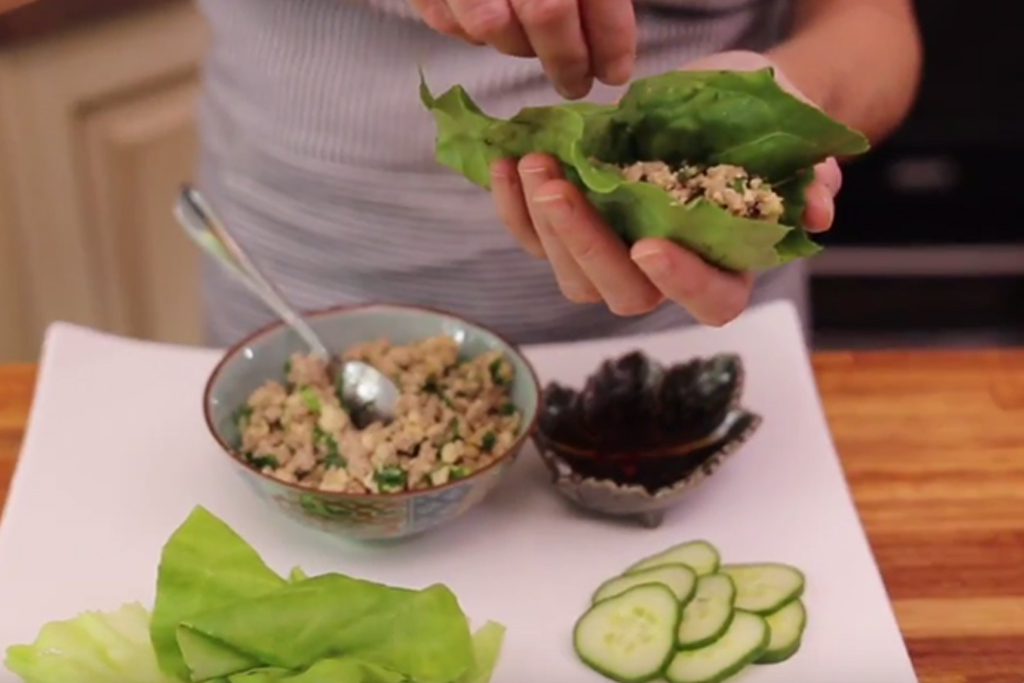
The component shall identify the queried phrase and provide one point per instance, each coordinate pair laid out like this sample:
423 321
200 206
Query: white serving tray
117 454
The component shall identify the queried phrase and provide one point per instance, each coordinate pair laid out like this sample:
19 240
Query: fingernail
620 71
555 207
822 199
651 260
575 89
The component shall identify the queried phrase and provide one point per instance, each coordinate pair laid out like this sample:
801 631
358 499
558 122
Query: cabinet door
138 152
97 133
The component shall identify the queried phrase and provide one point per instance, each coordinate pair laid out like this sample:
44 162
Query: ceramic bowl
639 436
262 356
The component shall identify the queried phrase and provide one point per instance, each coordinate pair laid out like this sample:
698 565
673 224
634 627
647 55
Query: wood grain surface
933 447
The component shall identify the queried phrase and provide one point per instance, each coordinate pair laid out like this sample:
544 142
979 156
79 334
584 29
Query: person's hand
551 219
575 40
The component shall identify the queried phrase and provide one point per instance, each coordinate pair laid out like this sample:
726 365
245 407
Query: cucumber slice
700 556
631 637
742 644
678 578
765 587
709 614
787 631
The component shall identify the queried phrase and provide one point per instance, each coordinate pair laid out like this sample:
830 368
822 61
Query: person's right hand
576 41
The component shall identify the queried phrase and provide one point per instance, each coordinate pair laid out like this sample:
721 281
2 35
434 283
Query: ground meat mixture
453 417
728 186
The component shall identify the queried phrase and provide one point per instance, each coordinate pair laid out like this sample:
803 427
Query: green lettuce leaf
487 642
335 670
223 616
204 565
91 648
700 117
324 616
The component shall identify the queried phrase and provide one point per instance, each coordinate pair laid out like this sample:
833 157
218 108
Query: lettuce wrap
222 616
688 121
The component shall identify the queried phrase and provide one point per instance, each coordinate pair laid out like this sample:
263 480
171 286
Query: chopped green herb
497 376
460 472
434 386
310 398
739 185
329 444
453 427
489 441
288 367
390 478
262 461
242 415
508 408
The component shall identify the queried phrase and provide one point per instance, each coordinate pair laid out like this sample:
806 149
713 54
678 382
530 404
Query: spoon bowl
366 393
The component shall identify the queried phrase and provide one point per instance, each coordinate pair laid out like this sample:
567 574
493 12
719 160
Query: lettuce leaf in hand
703 118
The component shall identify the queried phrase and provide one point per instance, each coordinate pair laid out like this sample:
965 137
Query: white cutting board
117 455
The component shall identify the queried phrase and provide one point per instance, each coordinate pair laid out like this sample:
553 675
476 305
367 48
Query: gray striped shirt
317 150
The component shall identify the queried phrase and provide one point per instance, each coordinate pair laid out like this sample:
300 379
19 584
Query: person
316 149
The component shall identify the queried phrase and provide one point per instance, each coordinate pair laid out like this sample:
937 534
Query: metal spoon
365 392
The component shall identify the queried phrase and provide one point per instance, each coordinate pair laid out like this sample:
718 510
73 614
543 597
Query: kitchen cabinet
96 134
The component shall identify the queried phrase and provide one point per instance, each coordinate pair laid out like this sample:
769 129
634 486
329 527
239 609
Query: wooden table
933 446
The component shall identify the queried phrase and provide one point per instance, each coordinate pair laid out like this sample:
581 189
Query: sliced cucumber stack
709 614
684 617
787 631
742 644
678 578
700 556
630 637
765 588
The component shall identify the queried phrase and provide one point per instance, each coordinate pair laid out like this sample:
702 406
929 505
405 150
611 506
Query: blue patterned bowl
262 356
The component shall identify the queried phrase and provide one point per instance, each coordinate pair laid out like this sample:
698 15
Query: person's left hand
552 219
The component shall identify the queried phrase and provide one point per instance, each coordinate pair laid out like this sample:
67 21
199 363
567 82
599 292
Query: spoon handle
206 229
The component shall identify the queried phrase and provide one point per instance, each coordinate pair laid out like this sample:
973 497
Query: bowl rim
735 404
235 349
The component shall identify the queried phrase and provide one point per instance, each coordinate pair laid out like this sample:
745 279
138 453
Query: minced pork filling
728 186
454 416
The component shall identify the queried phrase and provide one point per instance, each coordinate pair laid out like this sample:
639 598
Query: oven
928 243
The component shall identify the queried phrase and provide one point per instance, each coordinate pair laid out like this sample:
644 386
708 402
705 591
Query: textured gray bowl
639 437
262 356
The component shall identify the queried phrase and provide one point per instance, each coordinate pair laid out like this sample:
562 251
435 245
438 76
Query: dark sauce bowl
640 435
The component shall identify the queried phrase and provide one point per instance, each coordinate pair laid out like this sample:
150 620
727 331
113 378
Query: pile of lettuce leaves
221 615
742 118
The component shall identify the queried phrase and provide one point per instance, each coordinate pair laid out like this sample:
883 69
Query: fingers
555 31
492 22
575 40
714 297
536 170
438 16
598 253
551 218
510 203
820 211
828 174
611 34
